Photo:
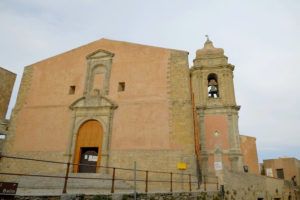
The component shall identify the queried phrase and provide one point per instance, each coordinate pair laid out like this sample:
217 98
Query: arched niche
98 73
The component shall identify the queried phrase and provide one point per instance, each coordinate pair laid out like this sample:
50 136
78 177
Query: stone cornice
209 67
83 102
100 54
235 107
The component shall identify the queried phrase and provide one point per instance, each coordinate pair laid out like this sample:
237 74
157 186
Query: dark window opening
246 168
280 173
88 159
72 89
294 181
121 87
213 88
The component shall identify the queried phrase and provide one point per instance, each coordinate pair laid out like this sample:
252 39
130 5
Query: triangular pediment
100 54
95 101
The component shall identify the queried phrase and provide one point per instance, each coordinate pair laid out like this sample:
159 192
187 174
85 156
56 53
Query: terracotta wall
140 122
216 123
213 141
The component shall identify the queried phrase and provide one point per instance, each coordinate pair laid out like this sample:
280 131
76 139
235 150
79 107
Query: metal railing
206 180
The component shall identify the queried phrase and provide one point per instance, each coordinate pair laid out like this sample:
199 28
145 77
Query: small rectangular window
246 168
72 89
121 87
280 173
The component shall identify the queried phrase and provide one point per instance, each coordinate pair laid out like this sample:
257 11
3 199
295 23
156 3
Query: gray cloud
261 38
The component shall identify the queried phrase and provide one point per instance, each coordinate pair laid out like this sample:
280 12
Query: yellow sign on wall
181 166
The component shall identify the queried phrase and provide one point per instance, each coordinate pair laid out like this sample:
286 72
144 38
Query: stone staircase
99 184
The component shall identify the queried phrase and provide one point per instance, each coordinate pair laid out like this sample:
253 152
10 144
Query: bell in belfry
213 88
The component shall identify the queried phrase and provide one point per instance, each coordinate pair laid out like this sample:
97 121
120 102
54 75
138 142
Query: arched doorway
88 147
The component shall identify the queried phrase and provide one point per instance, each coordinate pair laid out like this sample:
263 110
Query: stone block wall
21 100
7 80
154 160
243 186
180 103
142 196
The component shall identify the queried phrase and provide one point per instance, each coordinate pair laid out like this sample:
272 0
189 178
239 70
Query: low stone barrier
140 196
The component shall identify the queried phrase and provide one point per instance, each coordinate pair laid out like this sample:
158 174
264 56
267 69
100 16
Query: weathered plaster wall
45 107
140 122
161 147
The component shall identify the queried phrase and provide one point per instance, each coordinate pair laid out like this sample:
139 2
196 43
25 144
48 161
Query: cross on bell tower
217 111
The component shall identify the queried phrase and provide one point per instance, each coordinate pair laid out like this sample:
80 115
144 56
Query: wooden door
89 138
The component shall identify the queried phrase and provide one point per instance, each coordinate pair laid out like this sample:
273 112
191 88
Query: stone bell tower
217 111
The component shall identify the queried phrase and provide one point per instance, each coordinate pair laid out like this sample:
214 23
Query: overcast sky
261 38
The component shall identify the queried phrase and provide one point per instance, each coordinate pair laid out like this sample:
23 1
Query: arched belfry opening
212 86
88 147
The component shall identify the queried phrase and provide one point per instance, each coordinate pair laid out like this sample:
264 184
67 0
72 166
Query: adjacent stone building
7 80
287 169
283 168
248 148
119 102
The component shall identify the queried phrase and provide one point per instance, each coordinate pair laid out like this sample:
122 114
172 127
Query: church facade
120 102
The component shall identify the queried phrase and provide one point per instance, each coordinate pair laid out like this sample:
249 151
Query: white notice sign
218 166
93 158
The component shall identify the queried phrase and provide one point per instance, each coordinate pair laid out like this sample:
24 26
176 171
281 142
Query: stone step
100 184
